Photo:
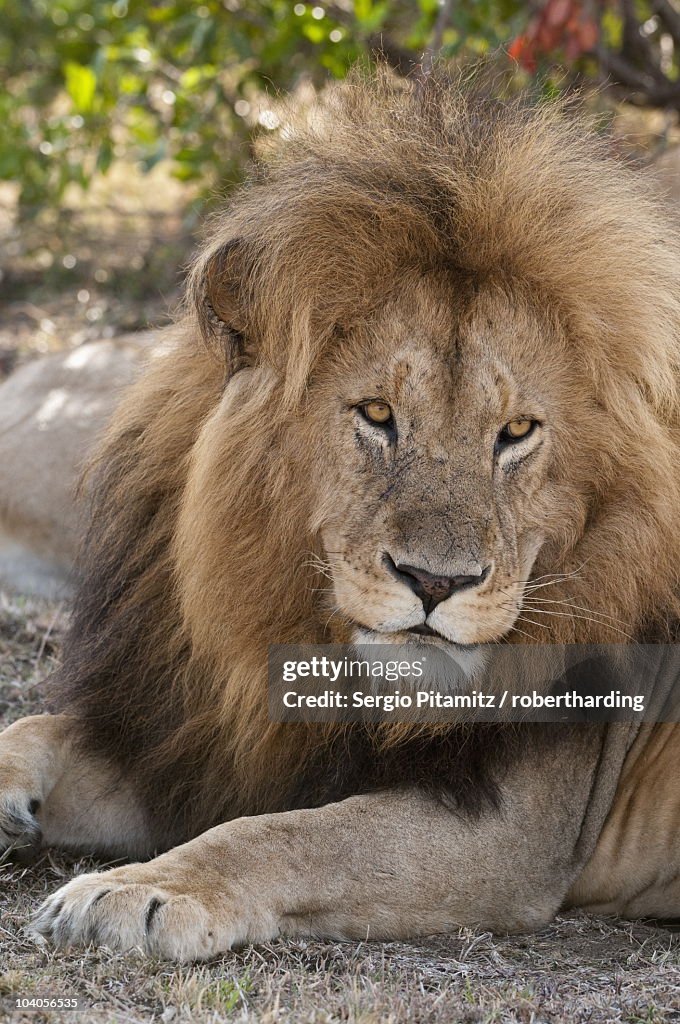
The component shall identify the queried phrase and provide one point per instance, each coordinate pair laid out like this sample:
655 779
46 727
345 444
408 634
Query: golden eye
517 429
377 412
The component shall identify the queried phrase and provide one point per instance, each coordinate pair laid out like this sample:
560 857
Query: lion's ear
216 291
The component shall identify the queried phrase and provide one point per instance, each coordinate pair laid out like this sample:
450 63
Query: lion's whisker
525 618
578 607
516 629
557 577
335 611
531 587
584 618
541 586
320 567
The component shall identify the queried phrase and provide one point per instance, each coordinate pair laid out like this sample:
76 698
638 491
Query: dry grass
578 970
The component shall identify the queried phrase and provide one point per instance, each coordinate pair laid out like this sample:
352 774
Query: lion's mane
198 554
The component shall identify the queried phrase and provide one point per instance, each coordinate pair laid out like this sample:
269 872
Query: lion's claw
95 908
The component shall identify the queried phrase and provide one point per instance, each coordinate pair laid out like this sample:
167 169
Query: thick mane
200 549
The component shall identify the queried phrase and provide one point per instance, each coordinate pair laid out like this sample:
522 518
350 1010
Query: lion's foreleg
53 795
384 866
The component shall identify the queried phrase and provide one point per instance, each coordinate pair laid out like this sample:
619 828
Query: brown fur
200 550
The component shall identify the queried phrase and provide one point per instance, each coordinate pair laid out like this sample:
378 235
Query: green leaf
105 156
371 15
314 32
81 84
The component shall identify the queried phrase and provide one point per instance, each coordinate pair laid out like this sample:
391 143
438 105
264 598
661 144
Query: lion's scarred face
452 376
444 419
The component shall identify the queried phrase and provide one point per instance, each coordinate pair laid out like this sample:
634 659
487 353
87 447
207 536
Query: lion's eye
516 430
377 412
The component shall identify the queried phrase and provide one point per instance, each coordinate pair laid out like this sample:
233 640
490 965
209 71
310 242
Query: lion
428 364
51 409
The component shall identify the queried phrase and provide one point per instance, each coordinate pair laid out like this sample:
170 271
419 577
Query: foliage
85 82
629 43
558 23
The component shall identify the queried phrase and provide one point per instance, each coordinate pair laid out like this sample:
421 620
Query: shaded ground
580 969
107 262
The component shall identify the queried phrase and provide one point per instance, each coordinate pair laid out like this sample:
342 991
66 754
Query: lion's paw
23 784
125 914
20 832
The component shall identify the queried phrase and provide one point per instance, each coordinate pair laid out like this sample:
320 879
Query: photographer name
476 699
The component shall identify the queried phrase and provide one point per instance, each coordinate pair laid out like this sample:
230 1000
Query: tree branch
670 16
637 46
439 28
654 93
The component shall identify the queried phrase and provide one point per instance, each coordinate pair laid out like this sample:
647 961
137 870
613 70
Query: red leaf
516 47
548 38
556 12
521 49
573 49
588 35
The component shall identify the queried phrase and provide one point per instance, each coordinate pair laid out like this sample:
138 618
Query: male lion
433 349
50 410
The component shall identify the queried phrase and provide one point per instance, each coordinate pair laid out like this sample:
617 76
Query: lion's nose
431 588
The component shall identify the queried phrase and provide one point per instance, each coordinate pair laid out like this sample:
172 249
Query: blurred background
124 121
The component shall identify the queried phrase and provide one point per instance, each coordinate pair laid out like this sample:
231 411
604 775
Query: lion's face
446 422
453 333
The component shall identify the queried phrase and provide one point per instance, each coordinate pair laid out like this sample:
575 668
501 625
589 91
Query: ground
580 969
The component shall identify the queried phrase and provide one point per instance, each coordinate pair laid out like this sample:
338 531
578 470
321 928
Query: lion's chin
468 660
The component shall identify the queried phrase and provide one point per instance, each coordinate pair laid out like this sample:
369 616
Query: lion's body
476 264
51 410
